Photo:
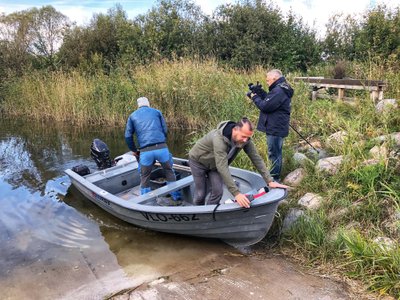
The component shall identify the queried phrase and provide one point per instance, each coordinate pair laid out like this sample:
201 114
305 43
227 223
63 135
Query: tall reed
189 93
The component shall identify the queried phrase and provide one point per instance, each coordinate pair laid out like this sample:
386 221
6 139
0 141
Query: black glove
256 89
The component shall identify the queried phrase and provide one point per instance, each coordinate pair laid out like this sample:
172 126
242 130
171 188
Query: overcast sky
314 12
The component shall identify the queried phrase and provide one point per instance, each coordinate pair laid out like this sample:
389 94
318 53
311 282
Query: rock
157 281
397 167
321 153
295 177
395 154
397 215
293 215
396 137
283 202
352 225
337 138
393 136
329 165
359 144
305 147
338 213
341 212
301 159
379 152
386 105
370 162
384 242
311 201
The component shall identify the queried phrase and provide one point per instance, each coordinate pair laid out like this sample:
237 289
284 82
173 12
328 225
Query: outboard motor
101 154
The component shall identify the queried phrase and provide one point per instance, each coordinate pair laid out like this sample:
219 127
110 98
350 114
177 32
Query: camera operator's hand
256 89
250 95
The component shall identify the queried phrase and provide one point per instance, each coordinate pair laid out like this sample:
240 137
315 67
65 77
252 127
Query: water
52 237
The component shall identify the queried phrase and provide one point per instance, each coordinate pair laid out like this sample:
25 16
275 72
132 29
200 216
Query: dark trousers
204 180
275 144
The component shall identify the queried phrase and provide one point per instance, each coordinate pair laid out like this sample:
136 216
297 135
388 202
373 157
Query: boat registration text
169 218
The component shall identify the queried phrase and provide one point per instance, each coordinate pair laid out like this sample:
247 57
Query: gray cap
143 101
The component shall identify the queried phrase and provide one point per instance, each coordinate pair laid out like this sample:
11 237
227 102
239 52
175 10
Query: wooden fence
375 87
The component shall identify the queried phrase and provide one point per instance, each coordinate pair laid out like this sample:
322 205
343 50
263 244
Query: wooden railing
375 87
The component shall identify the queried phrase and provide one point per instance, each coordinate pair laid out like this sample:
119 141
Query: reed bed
189 93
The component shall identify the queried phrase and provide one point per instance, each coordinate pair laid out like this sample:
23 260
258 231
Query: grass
360 202
371 262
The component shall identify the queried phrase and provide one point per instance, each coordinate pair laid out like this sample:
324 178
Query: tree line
243 35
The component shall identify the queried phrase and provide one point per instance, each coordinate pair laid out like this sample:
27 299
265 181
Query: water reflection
44 151
16 164
33 157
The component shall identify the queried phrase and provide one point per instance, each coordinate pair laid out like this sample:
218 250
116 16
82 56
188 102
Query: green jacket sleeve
257 161
221 160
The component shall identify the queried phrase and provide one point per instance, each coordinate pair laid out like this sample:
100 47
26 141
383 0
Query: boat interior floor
135 192
126 195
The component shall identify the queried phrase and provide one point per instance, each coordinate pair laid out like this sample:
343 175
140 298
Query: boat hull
234 225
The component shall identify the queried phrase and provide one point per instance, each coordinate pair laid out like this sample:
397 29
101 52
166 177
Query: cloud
78 14
208 6
316 13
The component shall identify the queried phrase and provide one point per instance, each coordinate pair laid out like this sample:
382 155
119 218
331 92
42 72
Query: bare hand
274 184
242 200
136 154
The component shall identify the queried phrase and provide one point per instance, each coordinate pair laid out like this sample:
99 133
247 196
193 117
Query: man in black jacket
274 117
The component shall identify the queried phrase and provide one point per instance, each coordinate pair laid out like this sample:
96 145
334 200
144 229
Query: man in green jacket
211 156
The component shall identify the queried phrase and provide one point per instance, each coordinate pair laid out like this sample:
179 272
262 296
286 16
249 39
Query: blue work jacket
148 124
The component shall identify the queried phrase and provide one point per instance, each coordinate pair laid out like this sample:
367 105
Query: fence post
340 94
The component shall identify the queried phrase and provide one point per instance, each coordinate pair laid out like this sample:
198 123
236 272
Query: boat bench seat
166 189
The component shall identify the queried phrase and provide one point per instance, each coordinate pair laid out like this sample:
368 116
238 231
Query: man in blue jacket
151 133
274 116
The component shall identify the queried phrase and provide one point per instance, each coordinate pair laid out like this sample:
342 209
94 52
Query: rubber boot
177 196
145 190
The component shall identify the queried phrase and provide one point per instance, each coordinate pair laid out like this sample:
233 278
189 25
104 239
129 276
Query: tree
376 35
101 38
48 29
341 32
74 49
31 37
253 33
380 33
242 36
299 47
16 38
170 29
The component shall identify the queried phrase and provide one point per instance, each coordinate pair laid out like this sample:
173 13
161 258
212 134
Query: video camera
255 89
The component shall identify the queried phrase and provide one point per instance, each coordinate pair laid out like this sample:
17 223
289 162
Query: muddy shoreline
234 275
124 262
